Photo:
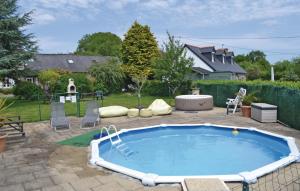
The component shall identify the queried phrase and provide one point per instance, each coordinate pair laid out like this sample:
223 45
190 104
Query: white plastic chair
237 101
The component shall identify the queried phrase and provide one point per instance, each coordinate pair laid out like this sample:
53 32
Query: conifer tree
16 46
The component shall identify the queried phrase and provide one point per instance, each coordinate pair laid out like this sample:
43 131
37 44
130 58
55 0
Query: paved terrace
37 163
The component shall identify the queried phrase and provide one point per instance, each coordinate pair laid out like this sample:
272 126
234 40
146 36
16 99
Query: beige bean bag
133 112
160 107
146 112
113 111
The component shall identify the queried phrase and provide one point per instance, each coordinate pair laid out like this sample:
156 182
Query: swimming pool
170 153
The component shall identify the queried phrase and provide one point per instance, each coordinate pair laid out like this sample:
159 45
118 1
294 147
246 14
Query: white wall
197 61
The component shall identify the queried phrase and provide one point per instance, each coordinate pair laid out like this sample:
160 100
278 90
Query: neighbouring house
66 62
211 63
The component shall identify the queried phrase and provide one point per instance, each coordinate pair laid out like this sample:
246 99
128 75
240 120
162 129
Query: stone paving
38 163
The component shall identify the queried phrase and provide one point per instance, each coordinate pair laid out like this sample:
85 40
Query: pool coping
153 179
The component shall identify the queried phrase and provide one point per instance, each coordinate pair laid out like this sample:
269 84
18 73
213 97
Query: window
29 80
213 57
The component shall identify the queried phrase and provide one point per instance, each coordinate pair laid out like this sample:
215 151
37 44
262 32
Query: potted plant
3 136
246 107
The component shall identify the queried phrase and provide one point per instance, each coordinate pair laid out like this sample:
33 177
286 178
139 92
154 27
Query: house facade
214 64
65 62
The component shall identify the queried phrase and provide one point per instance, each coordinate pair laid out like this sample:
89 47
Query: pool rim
152 179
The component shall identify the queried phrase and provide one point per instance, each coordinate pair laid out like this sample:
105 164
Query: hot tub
194 102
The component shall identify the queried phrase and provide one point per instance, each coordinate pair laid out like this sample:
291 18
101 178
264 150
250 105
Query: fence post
245 186
78 104
40 114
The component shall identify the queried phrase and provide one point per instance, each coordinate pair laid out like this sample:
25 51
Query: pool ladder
122 147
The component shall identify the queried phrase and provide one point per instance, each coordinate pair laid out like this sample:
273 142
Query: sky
272 26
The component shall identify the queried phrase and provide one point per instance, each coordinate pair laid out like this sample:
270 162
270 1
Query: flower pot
246 111
2 142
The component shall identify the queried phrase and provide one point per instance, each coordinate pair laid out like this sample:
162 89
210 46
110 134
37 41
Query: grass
31 111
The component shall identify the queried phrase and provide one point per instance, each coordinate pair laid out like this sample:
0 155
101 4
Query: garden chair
92 114
237 102
58 116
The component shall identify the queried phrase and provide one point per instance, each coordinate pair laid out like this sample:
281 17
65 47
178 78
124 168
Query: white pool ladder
119 145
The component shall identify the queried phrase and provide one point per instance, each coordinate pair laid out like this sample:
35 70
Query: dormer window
70 61
213 57
231 59
223 58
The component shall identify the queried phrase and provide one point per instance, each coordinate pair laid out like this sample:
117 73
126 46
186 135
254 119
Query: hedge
157 88
286 95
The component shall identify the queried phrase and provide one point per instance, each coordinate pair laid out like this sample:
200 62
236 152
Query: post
78 104
40 114
272 73
245 186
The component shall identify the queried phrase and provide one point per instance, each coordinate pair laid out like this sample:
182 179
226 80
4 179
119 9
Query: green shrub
285 95
27 90
6 91
82 82
291 85
158 88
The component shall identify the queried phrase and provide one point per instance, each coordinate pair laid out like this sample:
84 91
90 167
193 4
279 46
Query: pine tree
16 46
139 49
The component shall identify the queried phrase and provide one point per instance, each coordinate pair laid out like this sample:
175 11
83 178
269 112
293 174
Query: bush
158 88
6 91
82 82
285 95
27 90
291 85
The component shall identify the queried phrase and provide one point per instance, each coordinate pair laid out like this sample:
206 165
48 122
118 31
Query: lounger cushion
160 107
113 111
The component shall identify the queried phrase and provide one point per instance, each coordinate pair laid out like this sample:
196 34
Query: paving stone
85 183
38 183
129 184
66 177
19 178
109 187
16 187
67 187
33 168
46 173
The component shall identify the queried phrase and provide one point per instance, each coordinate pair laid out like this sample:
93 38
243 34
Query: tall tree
173 66
101 43
16 46
256 65
139 49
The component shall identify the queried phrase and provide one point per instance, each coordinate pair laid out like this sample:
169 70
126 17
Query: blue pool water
195 150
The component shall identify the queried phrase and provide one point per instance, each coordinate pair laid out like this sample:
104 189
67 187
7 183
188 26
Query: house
211 63
65 62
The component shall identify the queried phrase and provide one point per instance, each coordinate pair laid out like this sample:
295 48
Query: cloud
49 44
210 12
270 22
43 18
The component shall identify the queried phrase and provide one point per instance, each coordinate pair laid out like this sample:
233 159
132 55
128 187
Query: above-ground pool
169 153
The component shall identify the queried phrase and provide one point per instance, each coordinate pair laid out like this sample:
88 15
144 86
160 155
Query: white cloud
208 12
48 44
43 18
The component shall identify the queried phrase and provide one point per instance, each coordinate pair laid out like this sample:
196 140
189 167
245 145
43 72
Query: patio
38 163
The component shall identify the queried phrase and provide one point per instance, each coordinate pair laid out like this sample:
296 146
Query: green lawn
29 110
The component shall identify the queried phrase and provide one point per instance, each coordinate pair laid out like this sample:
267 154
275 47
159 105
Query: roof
207 49
69 62
217 66
200 70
